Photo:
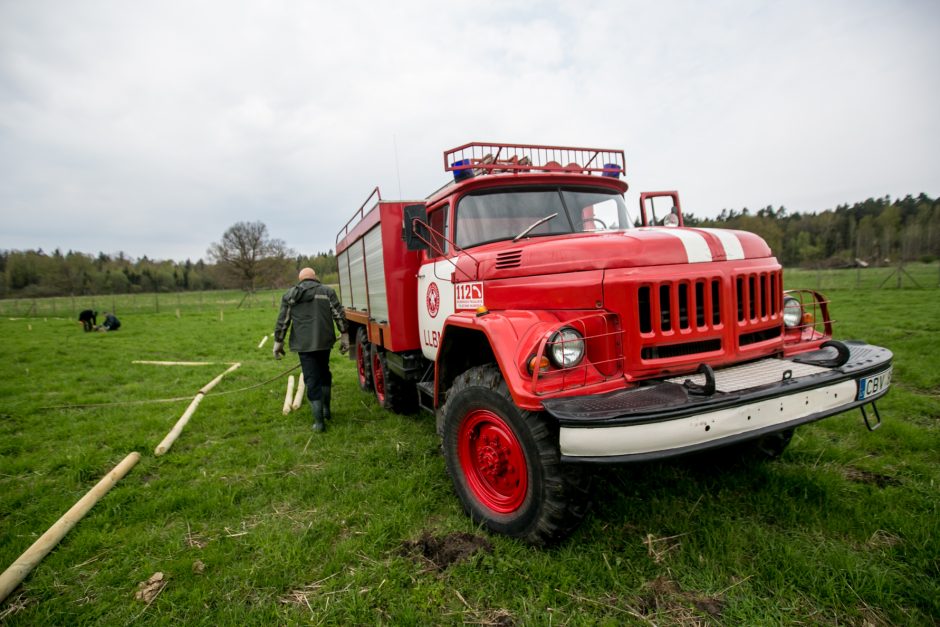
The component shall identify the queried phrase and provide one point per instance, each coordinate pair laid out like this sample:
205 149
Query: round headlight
792 311
566 348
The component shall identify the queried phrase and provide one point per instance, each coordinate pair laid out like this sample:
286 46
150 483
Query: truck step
426 395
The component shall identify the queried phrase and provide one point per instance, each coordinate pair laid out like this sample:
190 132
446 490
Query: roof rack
478 158
360 213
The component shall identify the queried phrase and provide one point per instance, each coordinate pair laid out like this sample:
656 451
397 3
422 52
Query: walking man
309 310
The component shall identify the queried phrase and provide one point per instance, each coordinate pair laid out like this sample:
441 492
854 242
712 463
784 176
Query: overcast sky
151 127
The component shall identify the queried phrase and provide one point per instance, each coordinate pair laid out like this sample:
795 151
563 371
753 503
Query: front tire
505 463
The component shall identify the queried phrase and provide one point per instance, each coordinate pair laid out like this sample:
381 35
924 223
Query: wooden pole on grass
17 572
299 395
289 397
177 429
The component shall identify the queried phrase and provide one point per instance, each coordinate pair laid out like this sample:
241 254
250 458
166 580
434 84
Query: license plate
874 385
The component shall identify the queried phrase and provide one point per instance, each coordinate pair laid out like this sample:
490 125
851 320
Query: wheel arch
469 340
462 348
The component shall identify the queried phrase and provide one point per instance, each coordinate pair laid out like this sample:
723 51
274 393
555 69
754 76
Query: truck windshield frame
495 215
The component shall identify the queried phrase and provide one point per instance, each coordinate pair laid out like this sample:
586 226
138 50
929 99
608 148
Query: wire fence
70 306
907 276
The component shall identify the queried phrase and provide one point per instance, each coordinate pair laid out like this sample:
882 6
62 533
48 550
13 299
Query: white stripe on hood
696 247
730 242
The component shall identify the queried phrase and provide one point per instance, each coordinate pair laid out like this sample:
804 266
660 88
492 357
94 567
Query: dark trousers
316 368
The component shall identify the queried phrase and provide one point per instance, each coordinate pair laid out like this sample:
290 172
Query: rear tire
505 463
364 360
391 391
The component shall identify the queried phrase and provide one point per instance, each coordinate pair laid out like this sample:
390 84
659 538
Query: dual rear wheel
391 391
363 361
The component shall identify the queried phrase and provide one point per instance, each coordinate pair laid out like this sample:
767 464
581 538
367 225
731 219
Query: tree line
246 258
878 231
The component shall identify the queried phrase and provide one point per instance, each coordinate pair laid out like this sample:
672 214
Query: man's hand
278 350
343 343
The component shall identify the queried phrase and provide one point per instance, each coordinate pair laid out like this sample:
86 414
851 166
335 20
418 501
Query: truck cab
548 328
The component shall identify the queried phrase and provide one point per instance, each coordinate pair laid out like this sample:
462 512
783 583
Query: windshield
489 217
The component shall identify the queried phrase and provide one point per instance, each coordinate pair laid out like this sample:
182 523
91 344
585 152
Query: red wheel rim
492 461
361 363
378 378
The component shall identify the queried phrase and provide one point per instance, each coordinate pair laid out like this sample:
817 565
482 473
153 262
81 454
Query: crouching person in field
89 319
111 323
309 309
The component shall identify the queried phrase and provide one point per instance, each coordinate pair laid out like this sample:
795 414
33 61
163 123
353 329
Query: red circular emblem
433 300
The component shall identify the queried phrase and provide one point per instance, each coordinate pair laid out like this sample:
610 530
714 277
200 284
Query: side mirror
673 218
414 228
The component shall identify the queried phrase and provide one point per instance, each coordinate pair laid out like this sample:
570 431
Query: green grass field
254 519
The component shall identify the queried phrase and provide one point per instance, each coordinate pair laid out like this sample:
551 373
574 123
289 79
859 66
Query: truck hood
639 247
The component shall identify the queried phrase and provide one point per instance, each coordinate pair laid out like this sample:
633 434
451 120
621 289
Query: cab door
435 282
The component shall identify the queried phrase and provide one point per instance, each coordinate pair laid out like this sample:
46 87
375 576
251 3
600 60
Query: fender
508 337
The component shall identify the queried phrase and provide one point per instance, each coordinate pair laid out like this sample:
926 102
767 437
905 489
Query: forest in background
878 231
35 273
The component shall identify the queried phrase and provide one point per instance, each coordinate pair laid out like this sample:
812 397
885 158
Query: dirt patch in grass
663 596
440 552
871 478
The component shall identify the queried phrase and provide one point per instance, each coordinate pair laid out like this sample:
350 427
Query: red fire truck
549 329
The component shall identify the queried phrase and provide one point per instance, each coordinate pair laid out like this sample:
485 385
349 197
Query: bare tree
248 255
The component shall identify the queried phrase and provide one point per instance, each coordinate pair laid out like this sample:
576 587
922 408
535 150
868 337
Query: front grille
758 296
680 350
759 336
705 317
679 305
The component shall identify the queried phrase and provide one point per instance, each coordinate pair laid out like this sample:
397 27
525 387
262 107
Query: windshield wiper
533 225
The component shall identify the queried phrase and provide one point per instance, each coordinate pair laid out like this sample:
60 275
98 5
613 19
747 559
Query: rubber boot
326 402
317 408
